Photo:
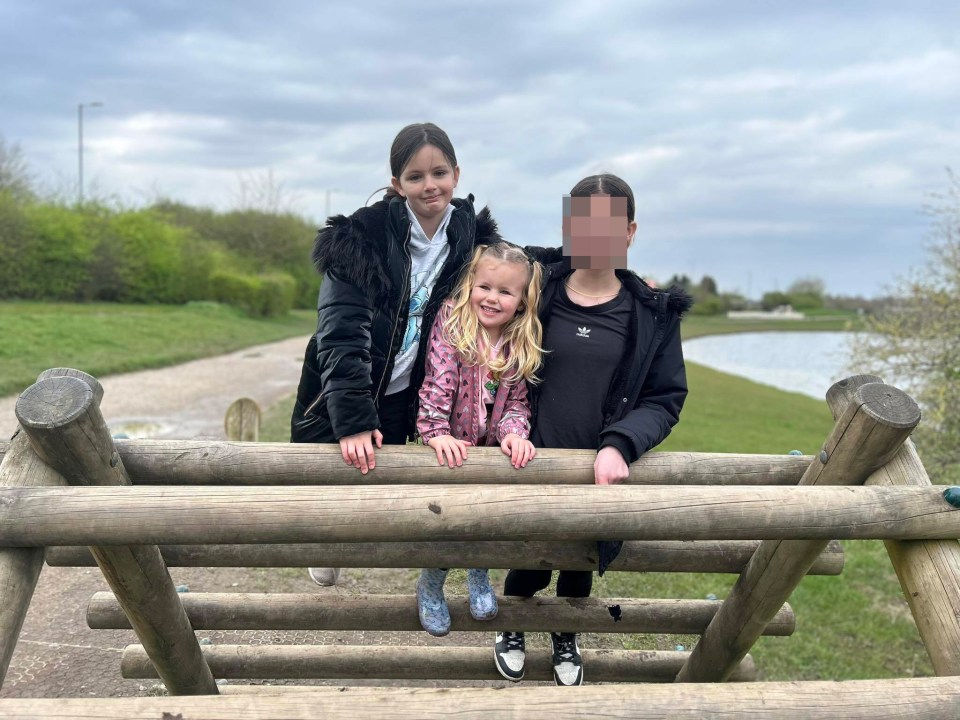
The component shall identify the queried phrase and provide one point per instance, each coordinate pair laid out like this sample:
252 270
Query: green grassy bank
852 626
106 338
856 625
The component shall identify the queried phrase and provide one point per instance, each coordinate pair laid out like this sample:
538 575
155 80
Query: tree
806 286
915 340
708 285
773 300
681 280
15 178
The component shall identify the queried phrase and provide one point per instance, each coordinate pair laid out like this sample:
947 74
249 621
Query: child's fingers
526 454
450 453
363 451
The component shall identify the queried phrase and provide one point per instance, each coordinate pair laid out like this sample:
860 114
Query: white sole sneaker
324 577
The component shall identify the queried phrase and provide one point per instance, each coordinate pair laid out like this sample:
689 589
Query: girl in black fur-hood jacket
387 269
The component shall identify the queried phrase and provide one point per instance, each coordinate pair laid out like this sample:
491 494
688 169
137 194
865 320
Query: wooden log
707 556
310 611
67 430
193 462
415 663
928 570
188 516
20 567
242 421
865 437
926 698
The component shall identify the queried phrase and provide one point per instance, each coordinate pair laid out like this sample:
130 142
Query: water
802 362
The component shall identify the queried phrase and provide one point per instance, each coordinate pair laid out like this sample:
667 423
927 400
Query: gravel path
189 401
58 656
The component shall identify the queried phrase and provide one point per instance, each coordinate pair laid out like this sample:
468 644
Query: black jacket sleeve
344 317
658 406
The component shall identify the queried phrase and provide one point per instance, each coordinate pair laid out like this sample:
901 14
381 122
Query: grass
853 626
698 325
106 338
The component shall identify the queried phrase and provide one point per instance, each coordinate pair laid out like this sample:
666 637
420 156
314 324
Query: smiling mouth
491 311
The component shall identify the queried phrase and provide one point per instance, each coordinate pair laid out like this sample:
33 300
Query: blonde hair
521 336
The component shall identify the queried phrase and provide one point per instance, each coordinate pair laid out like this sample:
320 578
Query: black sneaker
567 668
509 654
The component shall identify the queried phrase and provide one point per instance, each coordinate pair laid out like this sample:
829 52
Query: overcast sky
764 141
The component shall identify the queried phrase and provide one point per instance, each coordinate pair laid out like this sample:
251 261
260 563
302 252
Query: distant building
783 312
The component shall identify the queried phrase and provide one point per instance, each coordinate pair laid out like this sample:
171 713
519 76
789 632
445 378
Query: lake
802 362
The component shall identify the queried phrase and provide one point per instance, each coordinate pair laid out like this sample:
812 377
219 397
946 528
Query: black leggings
570 583
393 412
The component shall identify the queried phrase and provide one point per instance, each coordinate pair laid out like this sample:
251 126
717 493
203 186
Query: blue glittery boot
431 605
483 600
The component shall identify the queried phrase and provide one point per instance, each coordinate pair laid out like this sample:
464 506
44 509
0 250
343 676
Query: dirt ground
58 656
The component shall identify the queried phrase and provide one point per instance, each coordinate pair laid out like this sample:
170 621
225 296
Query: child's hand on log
519 451
447 446
610 468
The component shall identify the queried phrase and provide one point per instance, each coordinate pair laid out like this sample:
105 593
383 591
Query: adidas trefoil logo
583 332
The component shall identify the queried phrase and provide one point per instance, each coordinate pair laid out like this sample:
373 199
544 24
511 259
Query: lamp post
326 207
80 108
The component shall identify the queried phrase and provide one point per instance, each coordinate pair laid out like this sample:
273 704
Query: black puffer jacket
362 314
648 390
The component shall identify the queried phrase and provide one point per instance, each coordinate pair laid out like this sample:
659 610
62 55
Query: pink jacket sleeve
440 382
516 413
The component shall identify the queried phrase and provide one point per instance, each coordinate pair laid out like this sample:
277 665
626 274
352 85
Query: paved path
189 401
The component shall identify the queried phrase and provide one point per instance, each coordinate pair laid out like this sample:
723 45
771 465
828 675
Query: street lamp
80 108
326 207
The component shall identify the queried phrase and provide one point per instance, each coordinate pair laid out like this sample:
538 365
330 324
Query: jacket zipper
396 320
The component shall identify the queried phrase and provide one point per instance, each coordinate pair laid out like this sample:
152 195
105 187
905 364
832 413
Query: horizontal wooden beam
193 462
707 556
928 698
197 515
416 663
311 611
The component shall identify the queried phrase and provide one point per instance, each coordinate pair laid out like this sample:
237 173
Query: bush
258 296
279 241
806 301
45 251
773 300
710 305
140 259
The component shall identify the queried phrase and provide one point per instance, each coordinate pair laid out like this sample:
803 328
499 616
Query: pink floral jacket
450 397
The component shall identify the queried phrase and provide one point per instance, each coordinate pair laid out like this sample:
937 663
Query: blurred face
596 233
427 182
498 290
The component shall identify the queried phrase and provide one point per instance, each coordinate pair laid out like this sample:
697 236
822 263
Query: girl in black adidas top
599 315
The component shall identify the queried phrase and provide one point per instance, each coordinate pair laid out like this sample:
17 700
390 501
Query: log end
53 402
70 372
888 405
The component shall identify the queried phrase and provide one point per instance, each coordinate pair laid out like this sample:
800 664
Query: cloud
765 140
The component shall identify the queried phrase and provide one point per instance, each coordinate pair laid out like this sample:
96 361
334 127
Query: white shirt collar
441 228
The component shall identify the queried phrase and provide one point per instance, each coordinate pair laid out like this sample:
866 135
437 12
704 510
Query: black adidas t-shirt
586 347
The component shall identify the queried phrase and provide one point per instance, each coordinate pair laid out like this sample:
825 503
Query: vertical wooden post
67 431
20 567
866 436
929 570
242 421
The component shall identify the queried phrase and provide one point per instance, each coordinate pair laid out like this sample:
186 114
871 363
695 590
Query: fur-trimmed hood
358 248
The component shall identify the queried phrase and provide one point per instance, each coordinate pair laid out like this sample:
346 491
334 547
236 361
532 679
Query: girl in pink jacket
483 349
